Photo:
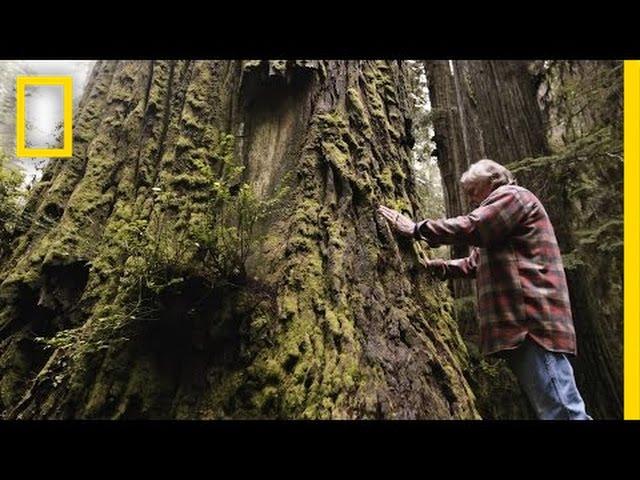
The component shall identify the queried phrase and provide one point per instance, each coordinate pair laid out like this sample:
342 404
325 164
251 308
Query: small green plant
208 235
224 231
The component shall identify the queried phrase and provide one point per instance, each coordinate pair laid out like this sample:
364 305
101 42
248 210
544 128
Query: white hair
486 169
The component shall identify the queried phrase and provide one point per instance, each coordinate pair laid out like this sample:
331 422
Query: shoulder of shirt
521 194
516 190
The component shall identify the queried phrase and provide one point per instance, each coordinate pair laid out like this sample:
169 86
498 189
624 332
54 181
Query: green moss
357 112
395 134
336 232
401 204
336 154
192 121
332 320
386 178
289 305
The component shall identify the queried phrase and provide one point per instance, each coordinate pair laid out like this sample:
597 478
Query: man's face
477 192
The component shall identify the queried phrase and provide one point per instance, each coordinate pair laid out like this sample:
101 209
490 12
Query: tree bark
332 318
453 157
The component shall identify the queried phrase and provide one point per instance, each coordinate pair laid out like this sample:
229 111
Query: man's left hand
401 223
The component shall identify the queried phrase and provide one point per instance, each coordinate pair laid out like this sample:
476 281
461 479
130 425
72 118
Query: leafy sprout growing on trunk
181 239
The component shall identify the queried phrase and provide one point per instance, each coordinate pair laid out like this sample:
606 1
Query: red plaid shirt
521 284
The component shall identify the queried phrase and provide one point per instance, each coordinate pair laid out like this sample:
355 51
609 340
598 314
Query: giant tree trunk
452 154
331 317
492 109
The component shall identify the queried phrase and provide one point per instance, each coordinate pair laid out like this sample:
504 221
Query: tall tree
212 251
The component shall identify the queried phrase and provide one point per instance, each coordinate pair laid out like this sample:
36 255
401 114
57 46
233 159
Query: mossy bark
333 317
518 111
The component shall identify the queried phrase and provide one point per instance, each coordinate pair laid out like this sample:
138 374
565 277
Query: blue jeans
547 380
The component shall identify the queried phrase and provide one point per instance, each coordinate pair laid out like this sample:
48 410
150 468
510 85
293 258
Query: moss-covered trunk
328 316
557 125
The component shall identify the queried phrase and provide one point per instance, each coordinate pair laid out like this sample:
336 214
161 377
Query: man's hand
401 223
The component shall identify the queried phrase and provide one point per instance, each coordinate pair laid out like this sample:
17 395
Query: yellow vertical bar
20 117
631 239
68 117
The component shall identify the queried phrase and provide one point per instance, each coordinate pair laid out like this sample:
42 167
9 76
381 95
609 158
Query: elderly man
523 300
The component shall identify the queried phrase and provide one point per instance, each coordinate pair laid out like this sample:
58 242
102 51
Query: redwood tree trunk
453 158
332 317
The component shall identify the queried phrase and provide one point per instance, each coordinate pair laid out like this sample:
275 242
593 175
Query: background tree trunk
452 146
553 125
331 317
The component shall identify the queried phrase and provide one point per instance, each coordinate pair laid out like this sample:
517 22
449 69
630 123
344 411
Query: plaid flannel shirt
521 284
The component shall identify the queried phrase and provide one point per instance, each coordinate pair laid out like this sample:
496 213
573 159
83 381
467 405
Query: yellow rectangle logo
67 95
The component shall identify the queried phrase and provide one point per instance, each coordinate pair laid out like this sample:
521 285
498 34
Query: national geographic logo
66 82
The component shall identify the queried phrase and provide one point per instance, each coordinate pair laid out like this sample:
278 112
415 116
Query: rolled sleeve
488 224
